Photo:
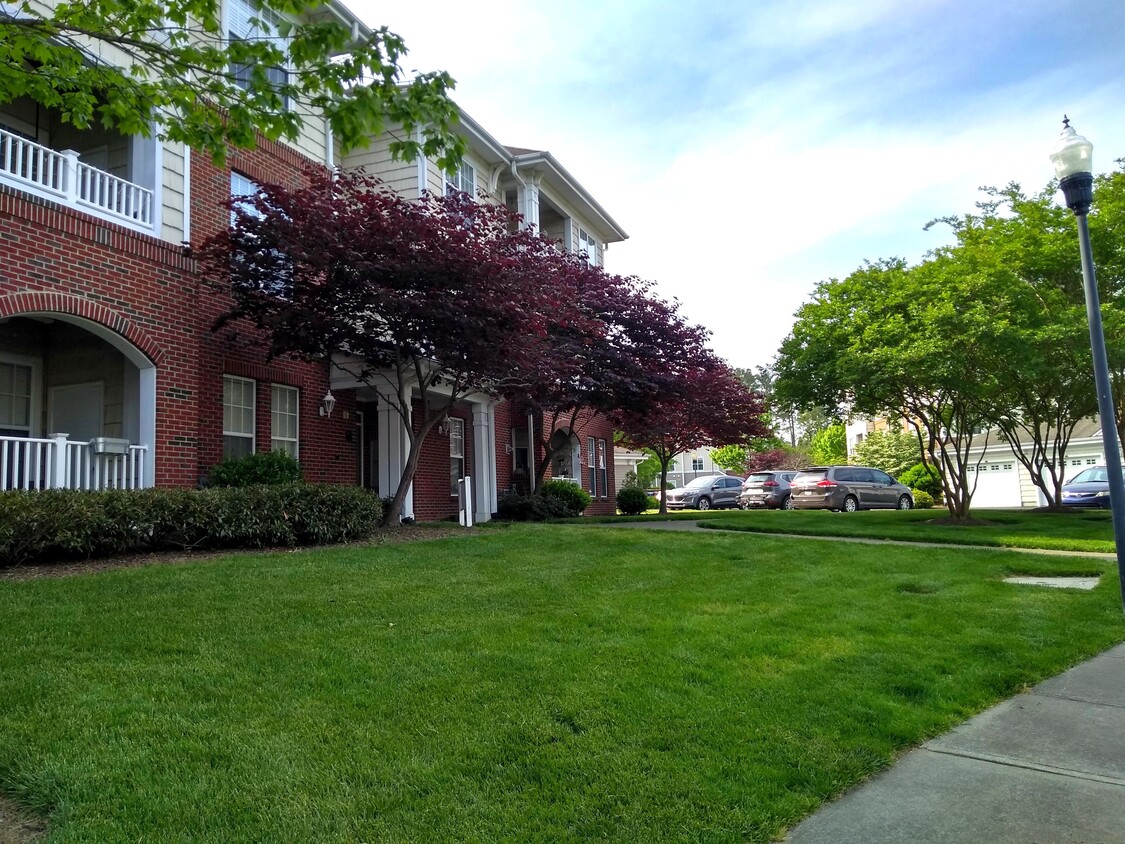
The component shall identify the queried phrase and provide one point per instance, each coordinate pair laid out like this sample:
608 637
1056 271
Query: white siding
173 194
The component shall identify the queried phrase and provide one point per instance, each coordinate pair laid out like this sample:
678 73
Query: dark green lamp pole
1071 157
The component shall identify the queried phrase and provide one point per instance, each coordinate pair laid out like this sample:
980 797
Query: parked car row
844 488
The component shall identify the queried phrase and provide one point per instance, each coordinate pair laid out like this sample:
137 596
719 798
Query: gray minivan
849 488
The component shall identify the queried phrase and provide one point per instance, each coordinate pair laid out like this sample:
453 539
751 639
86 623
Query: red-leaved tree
431 300
708 405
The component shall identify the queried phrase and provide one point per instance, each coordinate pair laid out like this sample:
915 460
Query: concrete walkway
1045 767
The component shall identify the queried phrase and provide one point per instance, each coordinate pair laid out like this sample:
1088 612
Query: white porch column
529 199
146 412
484 461
394 447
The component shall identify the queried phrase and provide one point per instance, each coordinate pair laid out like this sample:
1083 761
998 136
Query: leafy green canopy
173 69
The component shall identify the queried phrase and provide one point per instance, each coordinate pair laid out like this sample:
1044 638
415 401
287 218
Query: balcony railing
28 463
61 176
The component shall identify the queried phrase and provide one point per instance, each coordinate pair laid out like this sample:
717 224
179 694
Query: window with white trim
284 417
456 453
591 467
463 180
246 21
243 186
238 416
15 399
697 464
587 244
603 485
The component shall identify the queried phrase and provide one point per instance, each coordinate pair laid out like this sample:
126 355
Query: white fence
29 463
62 176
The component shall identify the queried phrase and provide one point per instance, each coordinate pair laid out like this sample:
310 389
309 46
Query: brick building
111 375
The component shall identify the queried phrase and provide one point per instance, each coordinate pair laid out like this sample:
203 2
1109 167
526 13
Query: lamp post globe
1072 157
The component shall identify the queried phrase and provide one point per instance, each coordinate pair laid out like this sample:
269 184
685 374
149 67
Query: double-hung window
587 244
591 467
15 399
284 418
603 487
463 180
238 416
456 453
248 22
697 464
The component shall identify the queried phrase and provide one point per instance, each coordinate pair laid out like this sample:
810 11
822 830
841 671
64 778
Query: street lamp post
1071 157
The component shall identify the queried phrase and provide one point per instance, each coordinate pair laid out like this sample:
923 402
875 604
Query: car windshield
1097 474
699 483
811 476
759 477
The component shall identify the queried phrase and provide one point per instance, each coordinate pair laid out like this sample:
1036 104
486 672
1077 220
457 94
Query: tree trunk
664 461
393 515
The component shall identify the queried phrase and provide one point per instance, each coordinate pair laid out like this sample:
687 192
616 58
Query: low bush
73 524
922 476
573 498
632 501
922 499
263 467
512 506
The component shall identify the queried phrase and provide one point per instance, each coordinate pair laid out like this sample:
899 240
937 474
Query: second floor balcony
98 171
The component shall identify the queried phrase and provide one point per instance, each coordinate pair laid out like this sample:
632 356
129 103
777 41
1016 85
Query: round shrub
571 498
924 477
632 501
263 468
922 499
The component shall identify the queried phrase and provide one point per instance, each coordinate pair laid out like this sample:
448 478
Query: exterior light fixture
327 404
1072 157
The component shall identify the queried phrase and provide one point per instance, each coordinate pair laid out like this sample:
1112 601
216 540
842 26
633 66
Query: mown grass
1088 530
537 683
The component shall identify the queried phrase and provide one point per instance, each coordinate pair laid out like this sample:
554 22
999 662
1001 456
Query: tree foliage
171 68
893 451
430 301
829 446
707 404
731 458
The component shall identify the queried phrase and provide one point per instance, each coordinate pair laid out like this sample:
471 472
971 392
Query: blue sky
752 150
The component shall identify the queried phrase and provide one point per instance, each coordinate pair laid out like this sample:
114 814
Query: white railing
61 176
29 463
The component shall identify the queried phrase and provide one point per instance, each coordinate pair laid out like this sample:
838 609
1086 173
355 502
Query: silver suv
849 488
767 489
706 492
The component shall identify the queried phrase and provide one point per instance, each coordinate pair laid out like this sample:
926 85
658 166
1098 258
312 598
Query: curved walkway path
1045 766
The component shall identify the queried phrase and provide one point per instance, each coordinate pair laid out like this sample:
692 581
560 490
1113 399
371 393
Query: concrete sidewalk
1045 766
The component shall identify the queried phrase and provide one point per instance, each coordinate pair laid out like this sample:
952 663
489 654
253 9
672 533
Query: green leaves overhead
173 69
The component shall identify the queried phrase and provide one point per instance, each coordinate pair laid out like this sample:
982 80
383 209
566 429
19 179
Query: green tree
892 451
731 458
170 68
829 446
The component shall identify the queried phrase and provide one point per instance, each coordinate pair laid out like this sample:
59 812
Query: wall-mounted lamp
507 448
443 425
327 404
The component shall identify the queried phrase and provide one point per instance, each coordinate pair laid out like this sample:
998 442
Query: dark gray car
849 488
767 489
1089 488
705 493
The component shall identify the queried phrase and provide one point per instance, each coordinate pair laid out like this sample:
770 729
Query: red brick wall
432 499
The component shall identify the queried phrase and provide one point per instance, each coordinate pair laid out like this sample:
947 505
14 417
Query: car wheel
788 505
904 503
704 503
850 504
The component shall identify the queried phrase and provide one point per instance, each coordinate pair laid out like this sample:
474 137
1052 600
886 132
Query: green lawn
534 683
1089 530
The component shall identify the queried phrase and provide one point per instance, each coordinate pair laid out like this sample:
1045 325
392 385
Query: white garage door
998 485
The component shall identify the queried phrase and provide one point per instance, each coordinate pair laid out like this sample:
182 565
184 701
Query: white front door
76 410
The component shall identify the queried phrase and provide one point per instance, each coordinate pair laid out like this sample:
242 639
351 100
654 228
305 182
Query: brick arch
41 301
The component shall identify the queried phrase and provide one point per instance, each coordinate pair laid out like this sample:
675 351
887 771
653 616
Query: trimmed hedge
632 500
570 495
922 499
262 467
69 524
514 507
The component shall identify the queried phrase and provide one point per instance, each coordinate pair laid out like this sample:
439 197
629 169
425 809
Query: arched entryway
567 460
77 404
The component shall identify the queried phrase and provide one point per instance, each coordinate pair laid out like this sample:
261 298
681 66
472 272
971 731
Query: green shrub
512 506
574 499
263 467
632 500
922 499
922 476
70 524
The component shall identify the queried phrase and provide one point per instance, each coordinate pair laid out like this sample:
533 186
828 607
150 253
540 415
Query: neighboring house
1001 480
110 375
857 430
692 464
624 462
